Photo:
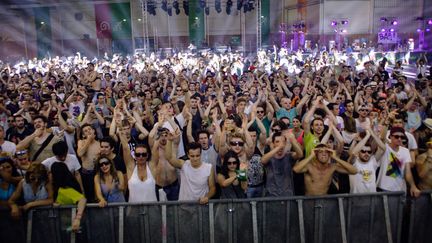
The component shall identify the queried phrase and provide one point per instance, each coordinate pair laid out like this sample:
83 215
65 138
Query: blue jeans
253 192
172 191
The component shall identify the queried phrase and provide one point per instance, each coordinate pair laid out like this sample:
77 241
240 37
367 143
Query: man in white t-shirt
197 178
408 141
60 151
366 163
395 166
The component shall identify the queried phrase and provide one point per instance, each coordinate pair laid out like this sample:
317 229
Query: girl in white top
140 171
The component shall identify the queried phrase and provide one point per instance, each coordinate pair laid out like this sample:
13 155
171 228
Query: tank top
6 194
142 191
194 181
113 195
40 194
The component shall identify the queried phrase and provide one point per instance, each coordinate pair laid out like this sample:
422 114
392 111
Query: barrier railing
336 218
420 218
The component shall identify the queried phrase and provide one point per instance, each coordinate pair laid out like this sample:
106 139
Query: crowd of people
201 126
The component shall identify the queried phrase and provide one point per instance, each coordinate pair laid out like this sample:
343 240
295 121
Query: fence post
211 223
254 222
342 220
387 219
121 224
29 226
301 220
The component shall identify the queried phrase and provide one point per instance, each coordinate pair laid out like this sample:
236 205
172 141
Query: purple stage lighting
392 30
427 30
333 23
344 22
383 19
382 30
418 30
394 22
430 22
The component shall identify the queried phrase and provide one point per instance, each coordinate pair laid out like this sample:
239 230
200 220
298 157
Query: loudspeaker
78 16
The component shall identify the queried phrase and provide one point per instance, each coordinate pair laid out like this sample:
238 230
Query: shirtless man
424 168
88 150
319 169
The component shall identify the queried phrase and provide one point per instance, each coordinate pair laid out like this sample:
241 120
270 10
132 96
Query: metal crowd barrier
336 218
420 218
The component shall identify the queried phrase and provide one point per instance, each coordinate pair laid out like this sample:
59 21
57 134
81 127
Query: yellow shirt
68 196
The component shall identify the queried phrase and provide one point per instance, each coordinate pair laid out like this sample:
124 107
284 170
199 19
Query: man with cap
395 169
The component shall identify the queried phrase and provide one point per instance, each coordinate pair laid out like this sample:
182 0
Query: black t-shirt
14 136
119 164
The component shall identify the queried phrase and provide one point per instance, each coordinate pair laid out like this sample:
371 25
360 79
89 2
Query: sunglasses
22 152
104 163
140 154
34 178
275 130
361 110
237 144
260 112
398 136
366 151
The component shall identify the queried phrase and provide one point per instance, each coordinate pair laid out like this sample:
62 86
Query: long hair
227 156
63 178
39 170
112 171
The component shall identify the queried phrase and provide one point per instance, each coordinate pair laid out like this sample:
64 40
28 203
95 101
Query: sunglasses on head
237 143
140 154
366 151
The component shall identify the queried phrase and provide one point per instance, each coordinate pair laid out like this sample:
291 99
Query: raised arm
301 167
169 155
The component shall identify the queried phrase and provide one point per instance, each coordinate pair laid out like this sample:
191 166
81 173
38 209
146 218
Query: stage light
164 6
383 19
228 6
427 30
418 30
202 4
430 22
239 4
186 7
124 20
334 23
151 7
42 23
218 6
176 7
344 31
392 30
344 22
139 20
382 30
394 22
